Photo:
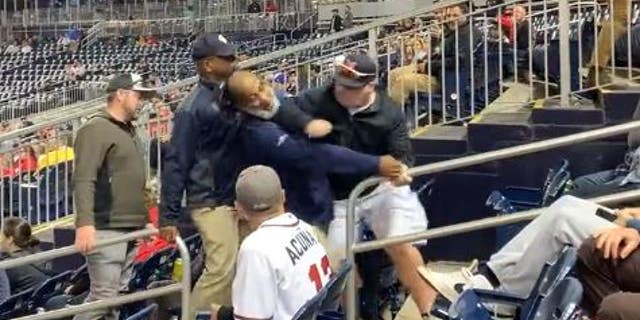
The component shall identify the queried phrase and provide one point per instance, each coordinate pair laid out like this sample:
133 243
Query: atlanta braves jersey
281 265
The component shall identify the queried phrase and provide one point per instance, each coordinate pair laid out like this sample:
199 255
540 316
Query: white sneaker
445 282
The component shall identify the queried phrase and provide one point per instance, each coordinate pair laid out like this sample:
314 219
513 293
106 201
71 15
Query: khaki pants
406 80
611 30
221 234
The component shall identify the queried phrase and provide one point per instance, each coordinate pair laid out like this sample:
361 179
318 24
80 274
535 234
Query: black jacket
27 276
378 130
458 46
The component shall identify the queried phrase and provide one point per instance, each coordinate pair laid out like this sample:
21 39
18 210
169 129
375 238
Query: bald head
250 93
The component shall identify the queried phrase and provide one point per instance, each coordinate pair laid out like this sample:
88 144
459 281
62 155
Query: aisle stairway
508 122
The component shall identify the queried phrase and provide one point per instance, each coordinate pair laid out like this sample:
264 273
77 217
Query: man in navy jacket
301 164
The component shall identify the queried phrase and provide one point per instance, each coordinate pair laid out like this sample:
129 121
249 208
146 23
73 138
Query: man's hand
389 167
214 311
85 239
617 242
403 179
318 128
169 233
625 215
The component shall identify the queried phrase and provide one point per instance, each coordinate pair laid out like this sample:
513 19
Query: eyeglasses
345 71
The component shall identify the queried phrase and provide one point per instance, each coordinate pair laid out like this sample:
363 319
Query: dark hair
20 231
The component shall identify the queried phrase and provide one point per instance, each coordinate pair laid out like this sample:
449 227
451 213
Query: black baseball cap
130 81
355 70
212 45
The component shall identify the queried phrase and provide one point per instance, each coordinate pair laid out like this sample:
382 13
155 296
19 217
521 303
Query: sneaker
446 282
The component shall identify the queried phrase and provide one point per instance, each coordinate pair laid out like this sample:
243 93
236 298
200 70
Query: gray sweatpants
569 220
109 271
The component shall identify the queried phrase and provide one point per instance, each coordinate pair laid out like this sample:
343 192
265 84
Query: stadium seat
50 288
16 305
144 314
552 275
156 268
523 198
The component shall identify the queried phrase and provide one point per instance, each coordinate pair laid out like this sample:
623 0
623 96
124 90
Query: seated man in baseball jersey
281 264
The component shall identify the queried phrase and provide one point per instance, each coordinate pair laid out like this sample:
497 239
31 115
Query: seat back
311 309
552 274
145 313
16 305
556 179
468 307
50 288
335 287
158 267
561 303
194 245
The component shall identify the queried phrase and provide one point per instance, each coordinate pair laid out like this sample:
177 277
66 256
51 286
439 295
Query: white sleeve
254 291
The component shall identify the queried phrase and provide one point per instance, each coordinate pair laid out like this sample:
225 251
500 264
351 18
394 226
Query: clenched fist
318 128
389 167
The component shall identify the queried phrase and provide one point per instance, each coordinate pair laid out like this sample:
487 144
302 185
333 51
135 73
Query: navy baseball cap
212 45
355 70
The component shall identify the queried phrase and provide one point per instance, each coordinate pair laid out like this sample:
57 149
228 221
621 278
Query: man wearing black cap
202 162
367 120
108 186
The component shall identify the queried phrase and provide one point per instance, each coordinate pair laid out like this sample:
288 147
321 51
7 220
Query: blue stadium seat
50 288
144 314
16 305
545 293
522 198
158 267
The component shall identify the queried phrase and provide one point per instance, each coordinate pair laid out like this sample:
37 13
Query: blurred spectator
336 21
26 47
12 48
77 70
271 7
348 17
25 161
254 7
5 287
17 241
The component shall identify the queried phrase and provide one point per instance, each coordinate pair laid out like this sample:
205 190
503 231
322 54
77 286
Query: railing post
373 39
565 59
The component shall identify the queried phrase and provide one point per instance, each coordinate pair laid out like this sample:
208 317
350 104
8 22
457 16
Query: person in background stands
348 17
202 162
16 241
612 29
108 186
254 7
336 21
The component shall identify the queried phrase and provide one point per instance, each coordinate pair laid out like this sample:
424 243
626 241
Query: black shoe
598 77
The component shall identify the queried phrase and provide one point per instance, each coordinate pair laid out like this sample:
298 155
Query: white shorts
388 211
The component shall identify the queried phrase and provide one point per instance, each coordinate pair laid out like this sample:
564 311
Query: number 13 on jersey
314 272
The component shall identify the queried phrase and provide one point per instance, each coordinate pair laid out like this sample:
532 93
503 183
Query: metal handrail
184 286
455 164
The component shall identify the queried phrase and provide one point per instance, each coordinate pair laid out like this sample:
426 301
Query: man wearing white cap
281 264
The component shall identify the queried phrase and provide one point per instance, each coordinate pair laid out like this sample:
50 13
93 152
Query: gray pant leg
109 269
569 220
